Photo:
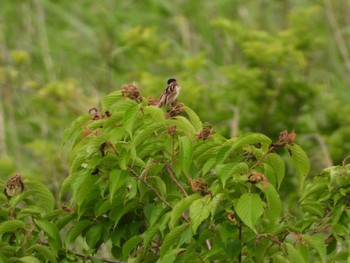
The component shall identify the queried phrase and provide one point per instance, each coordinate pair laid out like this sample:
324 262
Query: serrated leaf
300 162
42 195
277 164
196 122
182 125
199 211
130 117
249 208
110 99
130 245
226 171
146 131
51 230
156 113
45 251
181 207
186 155
318 244
85 188
75 231
117 179
11 225
294 255
247 139
171 239
76 125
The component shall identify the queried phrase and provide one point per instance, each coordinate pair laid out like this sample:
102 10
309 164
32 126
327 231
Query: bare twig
173 177
135 175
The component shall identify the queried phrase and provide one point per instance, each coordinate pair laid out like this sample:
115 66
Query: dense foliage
147 185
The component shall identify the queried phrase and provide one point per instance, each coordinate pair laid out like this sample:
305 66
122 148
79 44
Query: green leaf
29 259
196 122
110 99
93 236
130 245
42 195
146 131
171 239
300 162
11 226
199 211
278 166
85 188
117 179
51 230
274 204
75 231
247 139
156 113
45 251
229 170
313 208
130 117
318 244
294 255
169 257
76 126
181 207
249 208
186 155
182 125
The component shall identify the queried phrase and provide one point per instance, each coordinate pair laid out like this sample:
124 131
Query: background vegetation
261 66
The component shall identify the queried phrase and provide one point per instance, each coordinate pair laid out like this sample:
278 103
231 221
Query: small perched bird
170 93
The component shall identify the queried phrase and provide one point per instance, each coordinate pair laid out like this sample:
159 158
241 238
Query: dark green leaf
171 239
181 207
45 251
130 245
186 154
75 231
11 225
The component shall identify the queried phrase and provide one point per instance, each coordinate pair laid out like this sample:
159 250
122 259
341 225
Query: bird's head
171 80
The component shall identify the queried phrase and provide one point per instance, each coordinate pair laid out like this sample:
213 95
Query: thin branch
97 258
173 177
135 175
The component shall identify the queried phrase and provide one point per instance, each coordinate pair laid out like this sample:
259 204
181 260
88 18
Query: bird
170 93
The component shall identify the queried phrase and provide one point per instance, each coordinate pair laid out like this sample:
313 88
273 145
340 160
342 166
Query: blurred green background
244 65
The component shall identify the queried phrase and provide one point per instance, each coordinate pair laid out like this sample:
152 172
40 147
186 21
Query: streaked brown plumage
170 93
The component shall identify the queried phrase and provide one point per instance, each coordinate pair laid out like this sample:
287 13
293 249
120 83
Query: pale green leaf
181 207
28 259
110 99
249 208
196 122
182 125
130 117
156 113
42 195
147 131
186 154
171 239
294 255
199 211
